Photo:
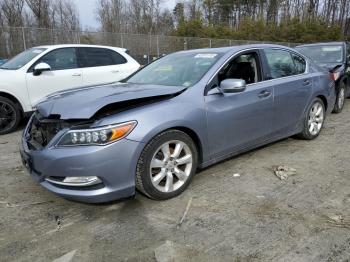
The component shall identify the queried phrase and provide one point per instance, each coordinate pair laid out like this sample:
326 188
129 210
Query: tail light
335 76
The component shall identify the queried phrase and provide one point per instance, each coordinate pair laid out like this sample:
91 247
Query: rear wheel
166 165
314 120
340 101
10 115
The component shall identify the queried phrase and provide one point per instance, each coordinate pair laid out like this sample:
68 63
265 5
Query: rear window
95 57
323 53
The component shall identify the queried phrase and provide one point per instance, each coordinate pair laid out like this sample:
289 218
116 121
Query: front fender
155 118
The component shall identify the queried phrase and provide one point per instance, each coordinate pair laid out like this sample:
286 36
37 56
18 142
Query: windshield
323 53
22 59
180 69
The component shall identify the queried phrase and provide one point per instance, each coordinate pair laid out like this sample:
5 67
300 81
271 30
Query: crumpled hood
83 103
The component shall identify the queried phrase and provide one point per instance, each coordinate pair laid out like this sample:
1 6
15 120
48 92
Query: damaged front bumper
114 165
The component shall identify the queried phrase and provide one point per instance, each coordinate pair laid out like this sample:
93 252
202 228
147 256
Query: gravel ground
251 217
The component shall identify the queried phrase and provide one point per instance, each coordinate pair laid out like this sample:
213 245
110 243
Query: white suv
32 75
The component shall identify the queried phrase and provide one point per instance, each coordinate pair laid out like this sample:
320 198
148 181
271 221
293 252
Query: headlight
97 136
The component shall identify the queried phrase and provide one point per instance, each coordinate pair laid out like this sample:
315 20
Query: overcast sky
87 11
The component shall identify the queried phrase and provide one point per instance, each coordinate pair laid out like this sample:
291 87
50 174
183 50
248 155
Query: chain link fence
143 48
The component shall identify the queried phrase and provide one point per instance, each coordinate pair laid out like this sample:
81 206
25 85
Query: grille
42 130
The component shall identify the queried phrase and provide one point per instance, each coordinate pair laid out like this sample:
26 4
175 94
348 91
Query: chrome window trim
228 59
296 53
307 67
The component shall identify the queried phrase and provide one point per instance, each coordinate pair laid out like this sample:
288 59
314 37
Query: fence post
185 43
209 42
158 53
78 35
230 42
150 47
121 40
24 39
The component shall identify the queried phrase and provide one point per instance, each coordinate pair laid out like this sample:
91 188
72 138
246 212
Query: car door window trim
31 68
263 80
83 57
228 59
291 52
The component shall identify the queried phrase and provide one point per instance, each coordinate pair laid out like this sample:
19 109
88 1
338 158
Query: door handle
76 74
115 71
306 82
264 93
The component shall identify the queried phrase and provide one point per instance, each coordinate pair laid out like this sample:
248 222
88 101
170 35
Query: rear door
64 74
292 88
102 65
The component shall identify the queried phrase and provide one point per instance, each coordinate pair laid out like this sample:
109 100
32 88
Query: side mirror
41 67
232 86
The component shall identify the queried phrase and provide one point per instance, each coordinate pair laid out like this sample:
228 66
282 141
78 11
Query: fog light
81 179
76 181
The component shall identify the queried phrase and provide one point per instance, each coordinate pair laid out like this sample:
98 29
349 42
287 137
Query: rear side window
61 59
117 58
300 64
95 57
280 63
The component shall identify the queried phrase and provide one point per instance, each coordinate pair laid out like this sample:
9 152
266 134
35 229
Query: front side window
22 59
245 66
61 59
323 54
280 63
179 69
300 64
95 57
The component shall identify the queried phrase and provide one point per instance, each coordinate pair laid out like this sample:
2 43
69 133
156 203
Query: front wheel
340 101
166 165
10 115
314 120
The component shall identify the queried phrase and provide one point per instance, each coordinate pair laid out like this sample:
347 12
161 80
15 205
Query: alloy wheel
171 166
316 118
7 116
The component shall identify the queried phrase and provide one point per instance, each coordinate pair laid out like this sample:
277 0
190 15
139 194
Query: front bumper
114 164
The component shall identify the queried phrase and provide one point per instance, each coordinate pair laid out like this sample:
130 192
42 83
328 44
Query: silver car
185 111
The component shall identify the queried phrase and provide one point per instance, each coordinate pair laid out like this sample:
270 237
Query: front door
64 74
239 120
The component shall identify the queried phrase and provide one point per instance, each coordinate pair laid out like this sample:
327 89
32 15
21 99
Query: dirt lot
251 217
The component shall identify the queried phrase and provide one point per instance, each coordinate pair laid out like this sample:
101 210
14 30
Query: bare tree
41 11
12 12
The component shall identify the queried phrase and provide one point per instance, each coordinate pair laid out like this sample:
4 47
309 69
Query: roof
234 48
77 45
323 43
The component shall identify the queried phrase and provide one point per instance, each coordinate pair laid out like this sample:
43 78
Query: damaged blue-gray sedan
185 111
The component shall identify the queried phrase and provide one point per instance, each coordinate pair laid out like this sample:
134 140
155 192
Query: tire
307 133
341 97
165 166
10 115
